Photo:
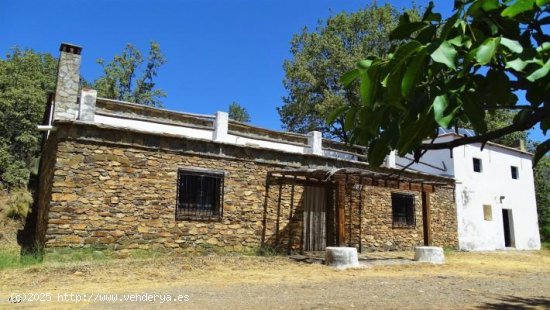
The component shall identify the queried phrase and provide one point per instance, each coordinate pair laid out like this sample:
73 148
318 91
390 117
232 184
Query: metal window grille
199 195
403 210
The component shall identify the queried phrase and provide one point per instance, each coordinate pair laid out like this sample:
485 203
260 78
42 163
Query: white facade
494 210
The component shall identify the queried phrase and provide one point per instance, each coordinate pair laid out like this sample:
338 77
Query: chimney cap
70 48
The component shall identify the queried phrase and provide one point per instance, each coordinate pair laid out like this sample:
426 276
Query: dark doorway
508 228
315 226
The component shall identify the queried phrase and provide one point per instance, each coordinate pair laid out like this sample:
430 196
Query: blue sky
218 51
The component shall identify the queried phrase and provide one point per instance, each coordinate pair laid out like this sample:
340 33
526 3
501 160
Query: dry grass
220 272
132 274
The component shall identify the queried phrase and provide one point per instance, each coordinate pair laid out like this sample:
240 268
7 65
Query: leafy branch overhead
490 55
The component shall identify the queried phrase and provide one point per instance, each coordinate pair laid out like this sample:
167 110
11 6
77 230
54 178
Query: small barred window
403 210
199 195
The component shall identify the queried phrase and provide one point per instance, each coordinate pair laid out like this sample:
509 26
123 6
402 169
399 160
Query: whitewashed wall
438 162
314 147
473 190
495 181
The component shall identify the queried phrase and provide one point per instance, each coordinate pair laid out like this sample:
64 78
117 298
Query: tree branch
345 137
527 123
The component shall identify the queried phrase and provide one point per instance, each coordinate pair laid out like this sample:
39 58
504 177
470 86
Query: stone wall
118 190
125 198
68 78
47 166
379 233
443 218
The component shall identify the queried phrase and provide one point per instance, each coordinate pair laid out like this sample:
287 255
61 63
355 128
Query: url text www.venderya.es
71 297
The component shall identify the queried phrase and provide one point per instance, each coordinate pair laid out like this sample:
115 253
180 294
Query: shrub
266 250
18 204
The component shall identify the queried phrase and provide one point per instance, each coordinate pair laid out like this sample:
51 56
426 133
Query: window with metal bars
199 195
403 210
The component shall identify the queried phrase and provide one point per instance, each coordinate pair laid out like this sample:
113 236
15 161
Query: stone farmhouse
495 193
119 175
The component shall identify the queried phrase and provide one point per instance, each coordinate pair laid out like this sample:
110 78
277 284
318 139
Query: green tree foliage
26 77
238 113
129 78
542 186
320 57
500 118
481 59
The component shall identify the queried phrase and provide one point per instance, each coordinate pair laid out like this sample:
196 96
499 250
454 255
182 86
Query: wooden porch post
427 218
290 235
341 213
266 200
277 240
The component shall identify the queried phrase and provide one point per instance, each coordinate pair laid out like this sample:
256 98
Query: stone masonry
117 190
68 78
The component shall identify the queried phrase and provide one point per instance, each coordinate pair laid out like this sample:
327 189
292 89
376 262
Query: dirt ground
497 280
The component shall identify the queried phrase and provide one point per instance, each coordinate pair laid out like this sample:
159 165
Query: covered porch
306 210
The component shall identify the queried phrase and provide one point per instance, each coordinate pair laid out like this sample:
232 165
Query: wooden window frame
397 200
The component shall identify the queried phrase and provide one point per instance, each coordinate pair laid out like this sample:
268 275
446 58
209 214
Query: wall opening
487 213
478 167
315 224
514 171
508 226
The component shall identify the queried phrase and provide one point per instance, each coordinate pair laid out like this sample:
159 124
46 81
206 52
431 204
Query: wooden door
314 219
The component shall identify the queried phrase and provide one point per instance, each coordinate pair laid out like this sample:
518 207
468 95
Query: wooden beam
277 224
287 180
341 213
350 210
289 248
330 216
264 220
427 218
361 215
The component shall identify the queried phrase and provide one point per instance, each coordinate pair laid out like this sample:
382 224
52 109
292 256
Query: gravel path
433 292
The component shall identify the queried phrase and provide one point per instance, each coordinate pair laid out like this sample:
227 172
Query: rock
213 241
78 273
298 257
342 257
429 254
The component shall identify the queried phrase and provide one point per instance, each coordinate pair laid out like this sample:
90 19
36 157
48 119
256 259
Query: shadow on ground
513 302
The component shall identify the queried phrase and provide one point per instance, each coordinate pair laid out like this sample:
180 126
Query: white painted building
495 193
